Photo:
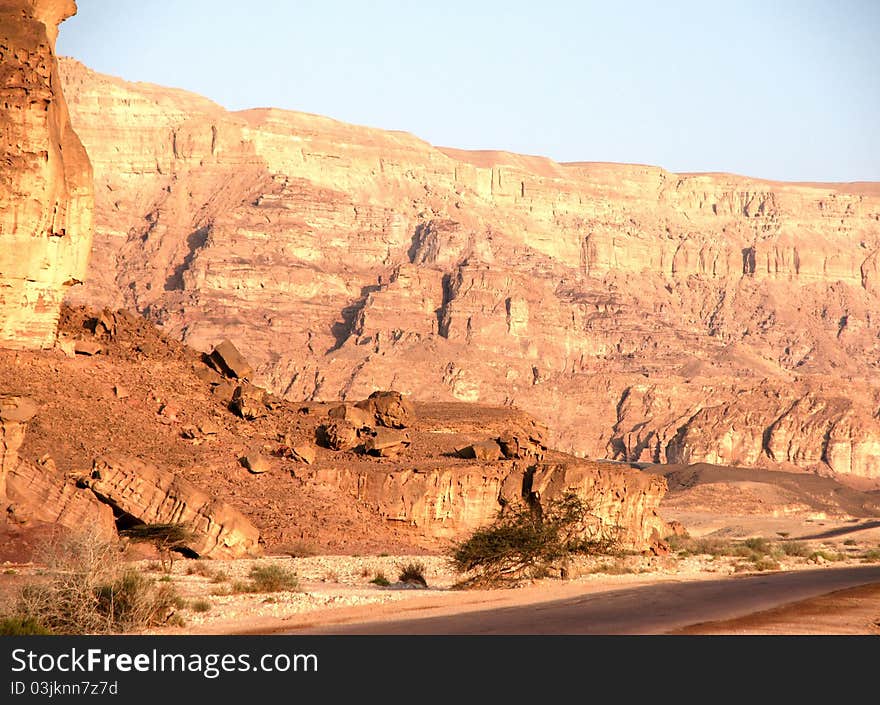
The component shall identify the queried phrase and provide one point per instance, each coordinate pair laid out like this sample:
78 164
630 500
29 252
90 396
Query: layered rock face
46 196
451 502
38 491
642 315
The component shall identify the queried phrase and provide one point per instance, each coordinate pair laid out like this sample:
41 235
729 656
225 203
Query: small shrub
413 573
850 542
758 545
219 576
380 579
870 556
10 571
22 626
829 556
797 549
301 549
766 563
273 578
200 606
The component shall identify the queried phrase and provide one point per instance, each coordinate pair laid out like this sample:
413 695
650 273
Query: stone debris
248 401
17 409
387 443
229 361
389 408
120 392
257 463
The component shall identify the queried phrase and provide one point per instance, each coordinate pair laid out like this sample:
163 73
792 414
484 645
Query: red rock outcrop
38 492
640 314
46 196
450 501
153 496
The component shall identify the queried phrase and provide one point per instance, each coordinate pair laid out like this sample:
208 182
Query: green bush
413 573
267 578
526 542
22 626
380 579
200 606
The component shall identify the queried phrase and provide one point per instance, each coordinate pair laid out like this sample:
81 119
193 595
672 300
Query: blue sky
775 88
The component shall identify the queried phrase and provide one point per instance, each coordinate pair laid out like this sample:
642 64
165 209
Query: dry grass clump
85 589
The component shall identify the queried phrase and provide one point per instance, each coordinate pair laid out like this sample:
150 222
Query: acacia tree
525 541
168 539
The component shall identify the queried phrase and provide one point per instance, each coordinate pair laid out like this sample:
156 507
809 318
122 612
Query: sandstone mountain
46 197
640 314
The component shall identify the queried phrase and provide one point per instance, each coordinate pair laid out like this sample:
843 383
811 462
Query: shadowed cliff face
46 196
643 315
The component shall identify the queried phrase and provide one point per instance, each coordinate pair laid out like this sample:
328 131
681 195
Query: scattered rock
338 435
357 416
484 450
229 361
248 401
120 392
389 409
387 443
209 428
104 324
88 347
303 453
257 463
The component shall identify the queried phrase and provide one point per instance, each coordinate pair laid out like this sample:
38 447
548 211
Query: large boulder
389 409
355 415
338 435
147 494
387 442
229 361
249 401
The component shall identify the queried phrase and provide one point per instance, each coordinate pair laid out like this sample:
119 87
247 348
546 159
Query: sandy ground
339 589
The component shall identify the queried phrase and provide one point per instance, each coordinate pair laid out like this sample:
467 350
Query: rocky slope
148 428
642 315
46 197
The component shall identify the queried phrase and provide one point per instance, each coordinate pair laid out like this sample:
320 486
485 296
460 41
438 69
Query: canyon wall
46 196
641 314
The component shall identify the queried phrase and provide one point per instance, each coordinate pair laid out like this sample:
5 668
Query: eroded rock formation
46 195
38 492
451 501
145 493
640 314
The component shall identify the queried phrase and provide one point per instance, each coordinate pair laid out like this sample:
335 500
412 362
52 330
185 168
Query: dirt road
650 609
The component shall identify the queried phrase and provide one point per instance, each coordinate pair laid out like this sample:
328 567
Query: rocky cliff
641 314
46 197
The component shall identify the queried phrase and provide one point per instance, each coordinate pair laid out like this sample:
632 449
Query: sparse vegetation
22 626
200 606
380 579
168 539
86 590
413 573
525 542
